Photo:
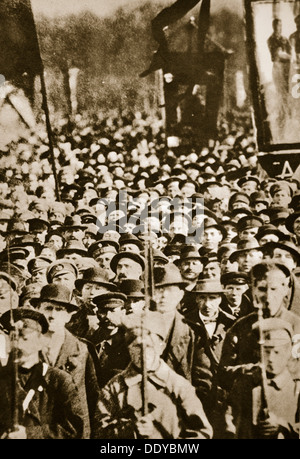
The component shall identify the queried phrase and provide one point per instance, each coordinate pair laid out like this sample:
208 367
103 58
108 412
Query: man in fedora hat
213 234
173 411
210 324
247 415
73 228
179 352
127 265
63 350
247 255
190 265
48 404
135 293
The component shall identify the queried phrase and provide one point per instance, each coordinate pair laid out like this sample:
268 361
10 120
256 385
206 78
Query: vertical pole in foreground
46 108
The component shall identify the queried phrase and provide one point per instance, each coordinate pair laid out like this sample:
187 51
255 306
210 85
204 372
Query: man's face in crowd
173 189
153 348
56 241
56 315
227 266
212 270
104 260
193 174
167 298
285 258
88 239
271 291
249 187
67 279
128 269
208 305
248 259
29 341
74 234
7 295
190 269
39 277
276 358
268 238
234 294
248 234
281 199
188 190
178 226
90 290
211 238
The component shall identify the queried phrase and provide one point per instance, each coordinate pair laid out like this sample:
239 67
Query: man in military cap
63 350
48 403
211 267
37 267
173 413
269 288
236 302
62 272
266 404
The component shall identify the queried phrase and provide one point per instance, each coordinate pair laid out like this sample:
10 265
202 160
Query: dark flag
20 59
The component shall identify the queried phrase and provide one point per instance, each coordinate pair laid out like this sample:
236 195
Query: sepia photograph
149 222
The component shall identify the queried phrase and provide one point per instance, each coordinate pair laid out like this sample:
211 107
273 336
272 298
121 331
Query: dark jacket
75 358
54 412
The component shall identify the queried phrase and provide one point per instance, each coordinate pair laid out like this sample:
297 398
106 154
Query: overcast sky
105 7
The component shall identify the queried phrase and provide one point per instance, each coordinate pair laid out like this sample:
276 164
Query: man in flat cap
63 350
173 411
266 406
48 404
107 343
236 302
269 288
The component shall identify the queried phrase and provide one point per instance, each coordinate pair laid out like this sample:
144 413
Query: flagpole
45 107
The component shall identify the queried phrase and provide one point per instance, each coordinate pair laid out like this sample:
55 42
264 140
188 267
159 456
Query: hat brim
131 255
237 253
181 285
35 302
79 283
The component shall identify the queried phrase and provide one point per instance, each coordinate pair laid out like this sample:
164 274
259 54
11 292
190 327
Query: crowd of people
152 292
